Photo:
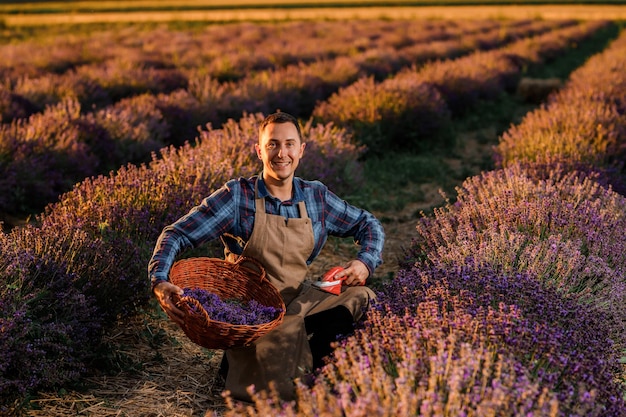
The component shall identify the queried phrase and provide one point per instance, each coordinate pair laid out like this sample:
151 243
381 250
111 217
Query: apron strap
259 202
302 209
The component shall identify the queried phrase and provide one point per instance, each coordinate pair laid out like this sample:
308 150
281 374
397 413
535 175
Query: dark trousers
327 327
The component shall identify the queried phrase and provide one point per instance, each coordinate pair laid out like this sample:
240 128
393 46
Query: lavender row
52 150
102 68
544 236
464 341
255 89
414 108
243 47
300 87
582 127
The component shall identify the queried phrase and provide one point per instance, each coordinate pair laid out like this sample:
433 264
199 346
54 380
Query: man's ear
302 149
257 148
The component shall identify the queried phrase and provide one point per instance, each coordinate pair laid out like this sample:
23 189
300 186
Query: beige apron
283 247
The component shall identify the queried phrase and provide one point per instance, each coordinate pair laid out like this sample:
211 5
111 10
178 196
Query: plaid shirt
228 214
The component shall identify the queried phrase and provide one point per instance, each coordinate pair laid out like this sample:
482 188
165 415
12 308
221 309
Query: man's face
280 148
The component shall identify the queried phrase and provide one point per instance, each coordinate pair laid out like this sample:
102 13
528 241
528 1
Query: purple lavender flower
231 310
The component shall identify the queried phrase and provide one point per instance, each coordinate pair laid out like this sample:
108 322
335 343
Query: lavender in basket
231 310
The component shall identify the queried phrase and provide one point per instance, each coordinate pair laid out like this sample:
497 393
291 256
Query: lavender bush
122 77
326 142
464 81
13 106
563 343
582 128
46 154
485 75
566 231
419 363
296 87
51 88
47 318
136 125
393 115
90 261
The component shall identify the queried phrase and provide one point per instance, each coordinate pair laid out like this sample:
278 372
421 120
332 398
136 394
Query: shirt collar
298 194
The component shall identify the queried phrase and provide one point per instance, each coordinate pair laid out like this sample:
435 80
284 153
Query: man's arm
206 222
345 220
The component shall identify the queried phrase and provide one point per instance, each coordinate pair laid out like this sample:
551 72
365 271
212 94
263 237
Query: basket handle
256 266
190 305
184 303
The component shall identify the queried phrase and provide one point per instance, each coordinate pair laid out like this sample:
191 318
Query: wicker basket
243 280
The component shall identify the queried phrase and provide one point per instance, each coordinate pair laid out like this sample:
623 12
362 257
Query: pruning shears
328 282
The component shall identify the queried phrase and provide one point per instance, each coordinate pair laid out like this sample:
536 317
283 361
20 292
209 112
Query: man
283 222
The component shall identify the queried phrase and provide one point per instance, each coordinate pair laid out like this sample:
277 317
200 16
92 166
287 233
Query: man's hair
280 117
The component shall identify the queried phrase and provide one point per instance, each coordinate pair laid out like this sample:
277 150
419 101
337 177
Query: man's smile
279 164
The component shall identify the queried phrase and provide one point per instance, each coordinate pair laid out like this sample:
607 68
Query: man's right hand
164 291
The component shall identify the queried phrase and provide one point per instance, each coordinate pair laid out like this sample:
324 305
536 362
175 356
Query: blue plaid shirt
228 213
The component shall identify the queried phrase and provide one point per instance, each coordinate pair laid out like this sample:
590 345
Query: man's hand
163 292
355 273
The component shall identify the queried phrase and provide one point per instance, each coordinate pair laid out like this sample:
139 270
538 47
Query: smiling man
283 222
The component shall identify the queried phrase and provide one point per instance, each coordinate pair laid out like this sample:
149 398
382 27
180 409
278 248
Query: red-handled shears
328 282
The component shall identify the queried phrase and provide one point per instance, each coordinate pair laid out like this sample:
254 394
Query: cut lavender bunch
231 310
